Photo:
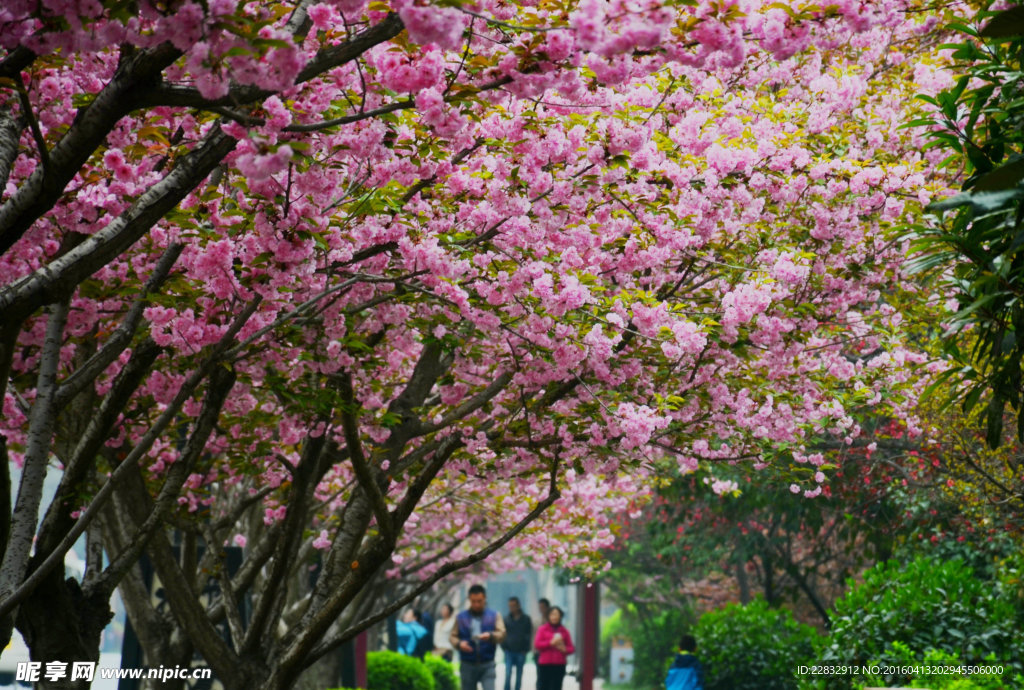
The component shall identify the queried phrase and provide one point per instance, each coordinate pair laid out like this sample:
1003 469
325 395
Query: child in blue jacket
686 672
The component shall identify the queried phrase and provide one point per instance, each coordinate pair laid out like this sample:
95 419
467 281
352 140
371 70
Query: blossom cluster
667 227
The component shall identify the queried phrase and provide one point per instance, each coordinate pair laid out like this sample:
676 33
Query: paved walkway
530 679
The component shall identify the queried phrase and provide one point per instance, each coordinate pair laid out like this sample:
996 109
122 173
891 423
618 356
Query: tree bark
37 454
744 583
10 134
73 635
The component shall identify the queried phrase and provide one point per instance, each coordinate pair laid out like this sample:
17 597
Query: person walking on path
477 633
426 643
443 632
553 644
686 672
543 605
517 642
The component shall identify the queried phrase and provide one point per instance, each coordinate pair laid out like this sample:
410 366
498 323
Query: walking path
530 679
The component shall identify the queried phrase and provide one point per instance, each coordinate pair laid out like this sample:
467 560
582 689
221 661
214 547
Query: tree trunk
744 584
7 623
770 595
325 673
73 635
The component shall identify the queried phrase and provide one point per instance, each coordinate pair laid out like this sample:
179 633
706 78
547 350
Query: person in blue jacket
686 672
410 631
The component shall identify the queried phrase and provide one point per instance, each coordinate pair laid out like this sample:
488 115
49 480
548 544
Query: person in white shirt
442 633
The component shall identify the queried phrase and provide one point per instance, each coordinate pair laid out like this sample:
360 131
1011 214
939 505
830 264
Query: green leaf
972 399
1007 24
961 84
982 201
978 157
994 427
1004 177
962 28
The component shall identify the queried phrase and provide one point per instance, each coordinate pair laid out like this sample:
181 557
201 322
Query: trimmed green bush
442 671
393 671
753 647
923 605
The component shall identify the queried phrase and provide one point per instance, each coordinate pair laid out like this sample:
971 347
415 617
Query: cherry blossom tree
391 287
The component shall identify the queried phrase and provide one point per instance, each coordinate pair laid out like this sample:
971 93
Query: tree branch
443 571
46 184
308 472
121 337
432 363
326 59
430 181
8 343
423 479
37 454
33 123
124 468
342 577
316 126
5 496
370 483
93 555
10 134
15 62
58 518
185 606
228 598
246 575
60 276
284 318
152 628
221 382
472 405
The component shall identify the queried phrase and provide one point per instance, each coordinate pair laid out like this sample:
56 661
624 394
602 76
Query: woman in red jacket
553 644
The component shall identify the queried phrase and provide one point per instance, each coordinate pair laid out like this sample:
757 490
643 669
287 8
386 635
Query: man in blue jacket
476 634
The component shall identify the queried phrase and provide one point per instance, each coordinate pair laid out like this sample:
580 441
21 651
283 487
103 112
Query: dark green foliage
753 647
394 671
610 627
442 671
904 656
923 605
986 556
979 234
654 632
654 644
